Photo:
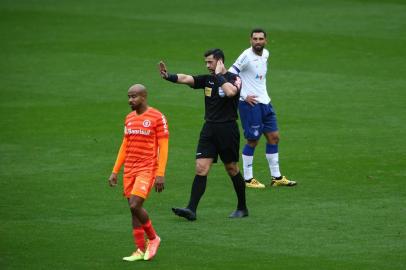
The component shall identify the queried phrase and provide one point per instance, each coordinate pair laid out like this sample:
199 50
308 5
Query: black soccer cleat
239 213
185 213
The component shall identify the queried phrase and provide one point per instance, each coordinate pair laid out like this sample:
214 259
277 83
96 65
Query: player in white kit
256 112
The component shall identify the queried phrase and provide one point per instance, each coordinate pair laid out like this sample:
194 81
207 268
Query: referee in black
220 135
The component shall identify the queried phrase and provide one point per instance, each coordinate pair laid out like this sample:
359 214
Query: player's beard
258 49
134 106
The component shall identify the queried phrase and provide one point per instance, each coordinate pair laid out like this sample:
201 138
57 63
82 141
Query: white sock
247 166
273 162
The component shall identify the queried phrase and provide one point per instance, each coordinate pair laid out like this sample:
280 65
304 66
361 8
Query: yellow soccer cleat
136 256
152 248
282 182
254 183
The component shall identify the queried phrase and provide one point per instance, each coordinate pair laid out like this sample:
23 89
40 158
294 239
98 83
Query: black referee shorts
219 139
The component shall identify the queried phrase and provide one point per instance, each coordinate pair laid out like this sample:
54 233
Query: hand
219 67
113 180
251 100
159 183
162 70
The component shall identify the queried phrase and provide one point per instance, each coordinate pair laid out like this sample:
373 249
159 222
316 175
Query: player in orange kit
144 152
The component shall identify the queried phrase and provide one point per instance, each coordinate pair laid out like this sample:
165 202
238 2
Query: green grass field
337 81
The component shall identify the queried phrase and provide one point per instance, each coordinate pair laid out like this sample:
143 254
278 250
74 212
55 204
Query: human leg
248 159
137 230
139 240
248 165
206 155
239 188
272 156
250 117
141 215
138 234
199 183
143 184
198 188
228 145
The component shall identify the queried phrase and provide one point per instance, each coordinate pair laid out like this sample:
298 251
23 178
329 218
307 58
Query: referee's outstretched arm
175 78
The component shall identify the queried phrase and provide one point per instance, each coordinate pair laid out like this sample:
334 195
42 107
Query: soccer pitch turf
337 81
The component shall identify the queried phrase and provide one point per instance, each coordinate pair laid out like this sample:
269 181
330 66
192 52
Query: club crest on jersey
146 123
221 92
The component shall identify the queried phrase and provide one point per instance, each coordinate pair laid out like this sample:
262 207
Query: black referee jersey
218 107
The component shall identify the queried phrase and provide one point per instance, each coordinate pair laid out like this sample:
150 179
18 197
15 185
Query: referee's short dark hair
258 30
217 54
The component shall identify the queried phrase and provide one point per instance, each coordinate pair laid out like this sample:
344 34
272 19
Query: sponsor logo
198 154
221 92
165 124
212 83
259 77
137 131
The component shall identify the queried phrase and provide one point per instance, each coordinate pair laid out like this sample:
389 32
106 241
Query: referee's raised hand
219 67
162 69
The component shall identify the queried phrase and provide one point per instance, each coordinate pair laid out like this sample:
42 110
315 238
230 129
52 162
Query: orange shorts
139 184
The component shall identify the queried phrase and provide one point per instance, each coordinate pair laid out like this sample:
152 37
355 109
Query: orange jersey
141 135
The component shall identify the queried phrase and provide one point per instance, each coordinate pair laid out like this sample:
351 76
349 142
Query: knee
135 206
232 169
201 169
252 143
273 138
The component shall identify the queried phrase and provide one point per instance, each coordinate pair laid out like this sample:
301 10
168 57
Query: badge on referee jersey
207 91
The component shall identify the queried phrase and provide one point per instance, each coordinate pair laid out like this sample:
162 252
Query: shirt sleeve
163 144
239 64
162 129
120 156
234 80
200 81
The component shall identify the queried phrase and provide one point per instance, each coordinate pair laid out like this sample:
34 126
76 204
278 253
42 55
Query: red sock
139 239
149 230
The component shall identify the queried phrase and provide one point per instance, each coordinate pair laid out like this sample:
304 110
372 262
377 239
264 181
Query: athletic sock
139 240
272 156
198 188
247 161
149 230
239 187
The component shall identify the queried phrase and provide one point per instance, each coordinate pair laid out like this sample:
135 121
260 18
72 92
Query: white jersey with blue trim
252 70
